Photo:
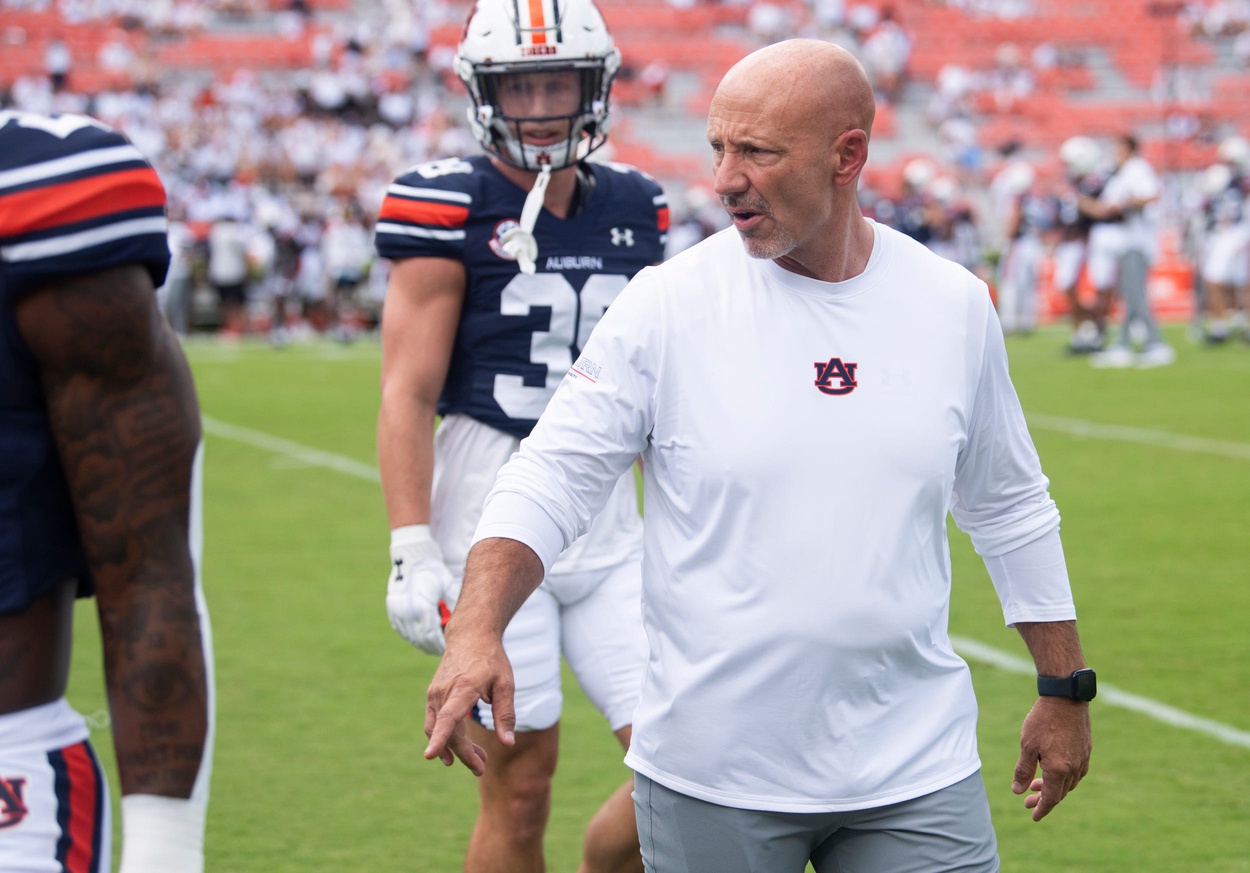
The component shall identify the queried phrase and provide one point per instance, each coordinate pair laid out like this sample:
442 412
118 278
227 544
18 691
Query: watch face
1084 684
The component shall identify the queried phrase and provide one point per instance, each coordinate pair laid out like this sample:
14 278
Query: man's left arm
1002 501
1056 732
122 404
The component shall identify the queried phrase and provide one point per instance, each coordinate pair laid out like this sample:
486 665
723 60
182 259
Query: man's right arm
419 323
500 574
419 320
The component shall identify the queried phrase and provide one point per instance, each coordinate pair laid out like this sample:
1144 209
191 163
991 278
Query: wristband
411 535
162 834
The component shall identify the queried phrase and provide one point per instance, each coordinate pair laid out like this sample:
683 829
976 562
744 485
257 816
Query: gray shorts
947 830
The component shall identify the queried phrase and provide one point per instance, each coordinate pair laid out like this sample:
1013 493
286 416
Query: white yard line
294 451
967 648
1143 436
974 651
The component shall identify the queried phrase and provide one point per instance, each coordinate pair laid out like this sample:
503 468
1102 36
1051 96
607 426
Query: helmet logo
532 50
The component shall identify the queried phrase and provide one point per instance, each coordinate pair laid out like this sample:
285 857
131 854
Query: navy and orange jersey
519 334
75 197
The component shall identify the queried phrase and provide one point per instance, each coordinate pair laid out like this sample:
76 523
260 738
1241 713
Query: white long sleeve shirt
803 442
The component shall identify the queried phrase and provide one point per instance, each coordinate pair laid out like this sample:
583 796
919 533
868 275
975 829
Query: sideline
967 648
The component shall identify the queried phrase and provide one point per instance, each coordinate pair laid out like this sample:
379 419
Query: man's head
789 127
539 73
1125 147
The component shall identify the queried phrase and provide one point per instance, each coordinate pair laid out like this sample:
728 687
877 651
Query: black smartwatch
1081 685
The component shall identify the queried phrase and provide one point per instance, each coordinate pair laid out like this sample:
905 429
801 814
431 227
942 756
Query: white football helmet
1235 151
504 37
1017 177
919 172
1215 180
1080 155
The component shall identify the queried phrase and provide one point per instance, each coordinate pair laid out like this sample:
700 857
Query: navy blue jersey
74 197
1074 223
518 335
1229 207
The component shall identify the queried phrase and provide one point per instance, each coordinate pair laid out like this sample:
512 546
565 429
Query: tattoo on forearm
158 687
123 406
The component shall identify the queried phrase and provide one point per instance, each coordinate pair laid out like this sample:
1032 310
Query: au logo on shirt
827 372
12 809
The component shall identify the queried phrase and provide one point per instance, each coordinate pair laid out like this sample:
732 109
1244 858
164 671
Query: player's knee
526 805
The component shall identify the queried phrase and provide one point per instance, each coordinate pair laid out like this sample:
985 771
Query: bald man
812 393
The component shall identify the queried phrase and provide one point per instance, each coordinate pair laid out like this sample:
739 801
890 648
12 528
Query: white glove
420 583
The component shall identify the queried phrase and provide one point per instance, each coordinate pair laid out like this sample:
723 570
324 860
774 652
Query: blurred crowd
274 176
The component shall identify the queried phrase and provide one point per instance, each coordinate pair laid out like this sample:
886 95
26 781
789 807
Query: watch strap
1080 685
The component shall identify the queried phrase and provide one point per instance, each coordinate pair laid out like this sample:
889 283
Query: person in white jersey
811 393
1122 248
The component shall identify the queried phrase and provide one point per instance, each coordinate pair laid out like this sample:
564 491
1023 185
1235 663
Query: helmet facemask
584 128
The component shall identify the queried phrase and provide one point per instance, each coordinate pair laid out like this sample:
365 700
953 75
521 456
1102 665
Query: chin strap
519 242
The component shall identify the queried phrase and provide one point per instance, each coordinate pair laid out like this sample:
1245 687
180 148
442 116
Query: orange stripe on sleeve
661 218
82 808
537 22
79 200
424 212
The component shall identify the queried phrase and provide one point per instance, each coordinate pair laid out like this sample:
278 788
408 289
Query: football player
1225 263
1026 216
502 265
99 495
1081 157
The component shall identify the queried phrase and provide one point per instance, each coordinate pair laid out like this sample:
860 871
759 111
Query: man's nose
728 175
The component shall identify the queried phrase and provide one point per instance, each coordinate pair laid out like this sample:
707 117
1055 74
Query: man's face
547 98
772 169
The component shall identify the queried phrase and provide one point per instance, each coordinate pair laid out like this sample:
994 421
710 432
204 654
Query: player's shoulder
68 159
458 178
75 196
623 179
27 139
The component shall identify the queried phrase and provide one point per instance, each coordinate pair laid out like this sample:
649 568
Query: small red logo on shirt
826 373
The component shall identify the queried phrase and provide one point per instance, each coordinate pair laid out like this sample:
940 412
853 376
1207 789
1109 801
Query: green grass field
318 761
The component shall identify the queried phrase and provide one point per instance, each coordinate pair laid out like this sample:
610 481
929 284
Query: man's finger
1026 769
1053 791
449 716
470 753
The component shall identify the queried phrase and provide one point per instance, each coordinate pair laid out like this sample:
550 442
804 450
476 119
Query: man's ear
851 153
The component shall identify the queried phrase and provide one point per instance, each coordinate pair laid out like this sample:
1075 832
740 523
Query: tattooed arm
123 407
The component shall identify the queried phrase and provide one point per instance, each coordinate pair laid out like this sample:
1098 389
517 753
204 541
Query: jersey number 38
573 317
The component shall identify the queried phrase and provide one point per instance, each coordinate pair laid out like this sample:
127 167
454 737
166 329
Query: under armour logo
835 369
622 237
12 809
399 569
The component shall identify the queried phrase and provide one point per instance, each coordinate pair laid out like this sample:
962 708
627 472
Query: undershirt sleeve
1001 498
1032 581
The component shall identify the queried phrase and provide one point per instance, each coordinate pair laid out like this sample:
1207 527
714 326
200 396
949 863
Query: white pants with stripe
54 800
